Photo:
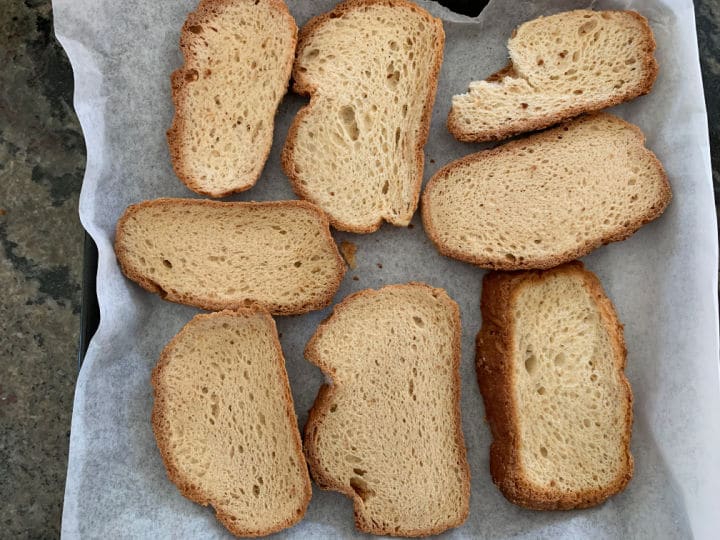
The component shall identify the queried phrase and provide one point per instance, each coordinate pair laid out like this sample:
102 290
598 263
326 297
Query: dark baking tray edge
89 309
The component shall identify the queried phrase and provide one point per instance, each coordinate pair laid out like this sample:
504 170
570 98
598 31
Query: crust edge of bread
179 88
320 409
643 87
183 484
558 259
303 87
493 342
209 304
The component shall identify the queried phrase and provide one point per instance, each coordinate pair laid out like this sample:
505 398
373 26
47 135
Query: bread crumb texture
546 199
349 253
550 361
387 432
215 255
560 66
225 424
238 58
357 149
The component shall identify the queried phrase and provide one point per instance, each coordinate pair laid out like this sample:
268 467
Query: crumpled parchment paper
663 281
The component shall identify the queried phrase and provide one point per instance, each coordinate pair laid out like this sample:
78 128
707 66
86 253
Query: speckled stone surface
41 166
707 13
42 158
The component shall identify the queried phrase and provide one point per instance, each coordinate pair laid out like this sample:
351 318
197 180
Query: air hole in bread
361 488
531 361
393 75
587 27
349 123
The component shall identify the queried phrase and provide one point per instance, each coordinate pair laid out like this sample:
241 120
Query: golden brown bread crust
179 87
302 86
494 346
502 263
325 396
185 485
650 67
211 304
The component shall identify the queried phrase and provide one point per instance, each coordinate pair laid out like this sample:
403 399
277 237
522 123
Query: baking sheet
663 281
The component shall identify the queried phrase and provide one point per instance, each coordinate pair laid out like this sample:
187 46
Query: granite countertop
42 159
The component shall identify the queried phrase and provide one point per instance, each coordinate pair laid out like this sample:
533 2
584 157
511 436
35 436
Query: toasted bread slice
370 68
546 199
387 432
550 363
238 57
215 255
225 424
560 66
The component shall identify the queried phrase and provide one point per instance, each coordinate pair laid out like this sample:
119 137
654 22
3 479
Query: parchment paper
663 281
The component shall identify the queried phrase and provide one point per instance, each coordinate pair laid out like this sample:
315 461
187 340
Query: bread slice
214 255
387 431
546 199
370 68
225 424
238 57
550 363
560 66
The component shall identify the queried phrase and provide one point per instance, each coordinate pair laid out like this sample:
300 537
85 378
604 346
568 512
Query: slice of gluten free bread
215 255
387 431
560 66
238 57
546 199
225 424
371 69
550 363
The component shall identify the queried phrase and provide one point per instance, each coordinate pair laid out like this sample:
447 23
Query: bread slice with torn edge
216 255
387 431
550 364
546 199
370 68
225 424
238 57
560 66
